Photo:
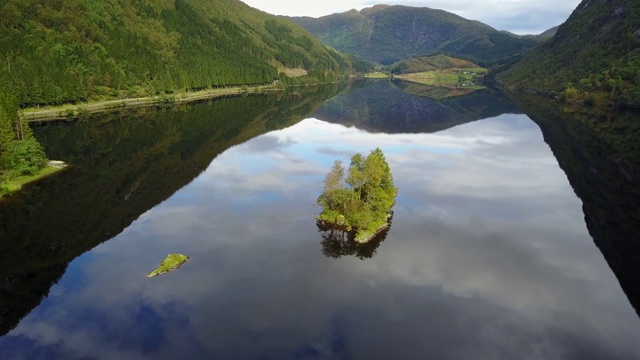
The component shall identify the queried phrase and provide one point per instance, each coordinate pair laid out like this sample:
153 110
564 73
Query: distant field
448 78
376 75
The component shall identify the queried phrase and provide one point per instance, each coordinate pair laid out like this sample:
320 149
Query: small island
361 201
170 263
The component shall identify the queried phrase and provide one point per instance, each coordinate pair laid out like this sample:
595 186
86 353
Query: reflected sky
488 257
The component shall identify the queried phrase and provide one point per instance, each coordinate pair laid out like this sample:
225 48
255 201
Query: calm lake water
488 255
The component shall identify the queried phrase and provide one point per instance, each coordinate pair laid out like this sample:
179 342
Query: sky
518 16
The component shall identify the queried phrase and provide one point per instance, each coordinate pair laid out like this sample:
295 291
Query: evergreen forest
75 51
60 51
593 58
20 153
57 52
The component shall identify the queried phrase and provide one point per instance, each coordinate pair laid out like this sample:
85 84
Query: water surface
488 255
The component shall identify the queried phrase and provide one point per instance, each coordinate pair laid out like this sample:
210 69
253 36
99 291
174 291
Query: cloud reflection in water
488 257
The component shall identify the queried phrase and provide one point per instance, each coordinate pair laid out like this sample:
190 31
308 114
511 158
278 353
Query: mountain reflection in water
600 153
394 108
488 256
122 166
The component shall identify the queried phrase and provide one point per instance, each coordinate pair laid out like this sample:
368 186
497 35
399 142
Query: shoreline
368 237
14 185
365 238
74 111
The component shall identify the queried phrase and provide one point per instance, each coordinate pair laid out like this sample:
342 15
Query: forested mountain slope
387 34
57 51
594 56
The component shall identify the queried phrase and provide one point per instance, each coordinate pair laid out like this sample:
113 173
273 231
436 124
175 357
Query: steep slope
58 51
386 34
545 35
594 56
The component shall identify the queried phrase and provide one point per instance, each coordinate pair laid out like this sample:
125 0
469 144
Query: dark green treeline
593 58
20 152
58 51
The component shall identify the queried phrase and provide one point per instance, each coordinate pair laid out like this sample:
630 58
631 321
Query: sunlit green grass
376 75
15 184
452 77
170 263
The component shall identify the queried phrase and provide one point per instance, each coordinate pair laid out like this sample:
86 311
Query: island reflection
337 243
489 255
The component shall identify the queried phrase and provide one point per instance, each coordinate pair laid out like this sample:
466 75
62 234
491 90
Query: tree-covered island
362 200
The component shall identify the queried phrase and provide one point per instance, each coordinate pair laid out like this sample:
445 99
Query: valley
497 216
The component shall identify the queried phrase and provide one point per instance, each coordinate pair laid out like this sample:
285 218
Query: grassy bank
448 78
72 111
15 184
376 75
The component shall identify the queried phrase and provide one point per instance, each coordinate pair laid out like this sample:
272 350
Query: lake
491 253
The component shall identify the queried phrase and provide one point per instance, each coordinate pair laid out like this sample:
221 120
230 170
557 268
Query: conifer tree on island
362 200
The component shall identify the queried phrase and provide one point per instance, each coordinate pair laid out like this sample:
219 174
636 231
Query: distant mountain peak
374 8
388 33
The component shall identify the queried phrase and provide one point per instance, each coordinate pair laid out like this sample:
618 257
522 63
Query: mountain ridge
389 33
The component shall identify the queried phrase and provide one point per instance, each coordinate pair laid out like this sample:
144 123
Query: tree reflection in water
338 242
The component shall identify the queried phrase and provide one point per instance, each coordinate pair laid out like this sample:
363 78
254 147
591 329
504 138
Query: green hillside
58 51
594 57
387 34
430 63
545 35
